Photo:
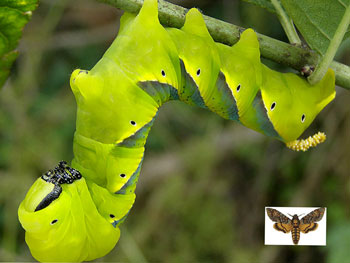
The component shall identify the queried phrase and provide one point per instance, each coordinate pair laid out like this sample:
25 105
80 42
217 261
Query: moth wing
277 216
306 228
314 216
284 224
307 223
285 228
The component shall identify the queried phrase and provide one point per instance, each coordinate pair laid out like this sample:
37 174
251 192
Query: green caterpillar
73 214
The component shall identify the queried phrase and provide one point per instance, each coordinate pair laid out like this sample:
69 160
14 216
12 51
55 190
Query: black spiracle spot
238 87
163 73
122 175
198 72
133 123
303 118
54 221
112 216
273 105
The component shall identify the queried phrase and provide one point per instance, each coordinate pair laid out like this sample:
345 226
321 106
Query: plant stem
283 53
342 74
286 23
332 49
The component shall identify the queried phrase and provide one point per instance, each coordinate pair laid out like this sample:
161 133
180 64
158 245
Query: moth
295 225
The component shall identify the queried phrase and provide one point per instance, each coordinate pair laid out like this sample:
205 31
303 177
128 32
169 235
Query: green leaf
263 3
317 20
14 15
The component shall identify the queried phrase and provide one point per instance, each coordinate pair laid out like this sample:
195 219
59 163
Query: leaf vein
341 2
315 24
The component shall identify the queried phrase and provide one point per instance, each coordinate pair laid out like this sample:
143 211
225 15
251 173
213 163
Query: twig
296 57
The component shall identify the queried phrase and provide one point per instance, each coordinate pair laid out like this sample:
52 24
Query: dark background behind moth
316 237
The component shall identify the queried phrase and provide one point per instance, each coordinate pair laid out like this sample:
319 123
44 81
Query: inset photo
303 226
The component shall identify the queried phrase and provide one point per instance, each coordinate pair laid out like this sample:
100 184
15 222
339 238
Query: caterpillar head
61 220
292 109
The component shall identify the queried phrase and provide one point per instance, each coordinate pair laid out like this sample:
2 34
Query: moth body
296 230
295 225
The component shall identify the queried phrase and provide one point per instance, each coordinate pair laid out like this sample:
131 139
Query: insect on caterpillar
73 213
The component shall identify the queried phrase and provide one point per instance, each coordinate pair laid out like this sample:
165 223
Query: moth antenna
305 144
290 215
301 214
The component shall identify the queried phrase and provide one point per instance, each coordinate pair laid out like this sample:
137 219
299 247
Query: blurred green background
205 181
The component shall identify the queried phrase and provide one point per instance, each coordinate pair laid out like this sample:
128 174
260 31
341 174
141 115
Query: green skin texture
117 102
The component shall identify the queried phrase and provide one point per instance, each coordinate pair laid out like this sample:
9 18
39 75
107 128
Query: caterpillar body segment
117 102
